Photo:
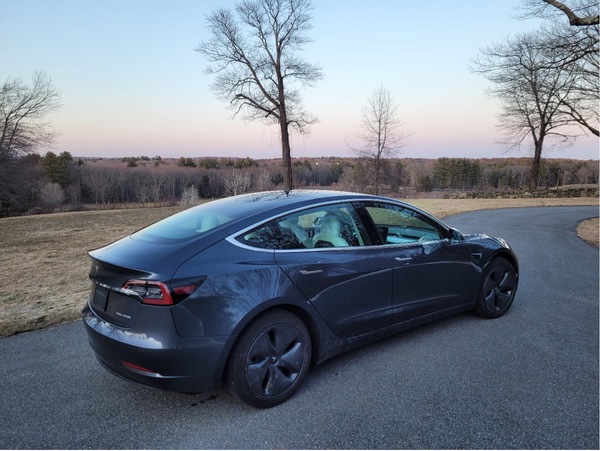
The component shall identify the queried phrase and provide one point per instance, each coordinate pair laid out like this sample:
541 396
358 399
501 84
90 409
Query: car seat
329 234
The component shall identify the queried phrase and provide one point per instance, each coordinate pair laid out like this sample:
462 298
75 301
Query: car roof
297 196
276 202
256 207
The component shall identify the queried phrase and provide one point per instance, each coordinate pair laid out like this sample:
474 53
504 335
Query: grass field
44 264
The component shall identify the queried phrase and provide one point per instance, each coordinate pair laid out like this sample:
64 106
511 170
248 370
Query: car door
430 272
347 281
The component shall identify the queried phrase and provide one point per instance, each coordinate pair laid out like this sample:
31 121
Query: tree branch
574 19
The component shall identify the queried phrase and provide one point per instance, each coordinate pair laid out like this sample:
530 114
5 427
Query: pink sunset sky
133 85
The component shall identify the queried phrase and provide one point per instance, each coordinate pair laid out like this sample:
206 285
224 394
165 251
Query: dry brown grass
44 266
588 231
44 263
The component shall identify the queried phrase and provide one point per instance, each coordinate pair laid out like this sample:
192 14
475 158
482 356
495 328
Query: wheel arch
507 255
315 331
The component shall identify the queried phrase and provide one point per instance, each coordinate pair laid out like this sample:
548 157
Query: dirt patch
588 231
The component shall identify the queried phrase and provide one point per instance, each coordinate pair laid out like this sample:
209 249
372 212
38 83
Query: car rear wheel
498 289
270 360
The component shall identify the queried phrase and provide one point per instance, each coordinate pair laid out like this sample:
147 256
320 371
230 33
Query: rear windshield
196 221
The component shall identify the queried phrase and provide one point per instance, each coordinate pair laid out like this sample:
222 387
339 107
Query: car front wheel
498 289
270 360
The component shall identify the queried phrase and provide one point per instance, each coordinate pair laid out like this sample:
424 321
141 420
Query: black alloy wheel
498 289
270 360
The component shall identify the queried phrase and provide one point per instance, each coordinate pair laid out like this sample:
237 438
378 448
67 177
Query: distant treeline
60 182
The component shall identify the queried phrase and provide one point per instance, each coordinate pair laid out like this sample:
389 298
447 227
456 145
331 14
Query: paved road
527 380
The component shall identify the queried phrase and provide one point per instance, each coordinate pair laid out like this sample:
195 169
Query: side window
264 237
398 225
327 226
320 227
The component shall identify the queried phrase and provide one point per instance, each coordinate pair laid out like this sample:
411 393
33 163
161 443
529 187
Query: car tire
498 289
270 359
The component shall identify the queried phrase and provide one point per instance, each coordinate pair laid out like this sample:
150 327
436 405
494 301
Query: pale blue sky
133 85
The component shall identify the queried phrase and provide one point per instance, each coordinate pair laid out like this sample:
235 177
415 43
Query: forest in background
60 182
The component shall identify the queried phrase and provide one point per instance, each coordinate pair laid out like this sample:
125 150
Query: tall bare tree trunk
286 150
535 166
286 154
377 172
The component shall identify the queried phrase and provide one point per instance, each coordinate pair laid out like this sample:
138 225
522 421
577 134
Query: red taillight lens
182 292
181 289
150 291
158 293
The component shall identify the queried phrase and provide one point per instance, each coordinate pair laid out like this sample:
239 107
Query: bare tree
97 182
23 113
237 182
532 90
580 13
581 106
258 71
575 46
190 196
157 183
381 131
51 195
264 181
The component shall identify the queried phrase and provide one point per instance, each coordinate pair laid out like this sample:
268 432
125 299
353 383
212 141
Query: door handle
306 272
402 259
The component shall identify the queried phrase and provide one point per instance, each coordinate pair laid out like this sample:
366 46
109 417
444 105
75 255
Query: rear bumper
162 359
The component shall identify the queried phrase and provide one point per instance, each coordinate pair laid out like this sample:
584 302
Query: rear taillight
150 291
182 292
158 293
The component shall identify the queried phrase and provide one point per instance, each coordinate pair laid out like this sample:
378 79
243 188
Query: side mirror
455 235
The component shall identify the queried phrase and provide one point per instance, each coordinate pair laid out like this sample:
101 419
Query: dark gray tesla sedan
253 289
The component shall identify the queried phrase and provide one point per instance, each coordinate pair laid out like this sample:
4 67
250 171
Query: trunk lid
137 258
108 299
